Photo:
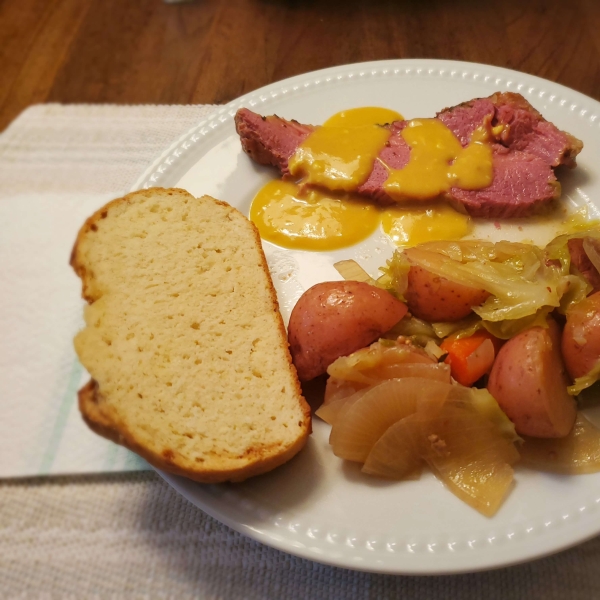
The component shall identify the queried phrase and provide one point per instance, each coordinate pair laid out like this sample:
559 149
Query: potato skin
336 318
529 382
435 298
581 336
581 261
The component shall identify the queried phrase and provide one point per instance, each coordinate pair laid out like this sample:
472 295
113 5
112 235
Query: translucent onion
577 453
434 350
482 357
465 451
356 432
396 454
590 247
350 270
332 410
369 366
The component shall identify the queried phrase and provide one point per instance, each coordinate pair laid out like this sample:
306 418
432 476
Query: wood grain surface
211 51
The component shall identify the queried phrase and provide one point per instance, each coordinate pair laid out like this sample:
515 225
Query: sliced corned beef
270 140
523 184
525 150
395 155
465 118
524 128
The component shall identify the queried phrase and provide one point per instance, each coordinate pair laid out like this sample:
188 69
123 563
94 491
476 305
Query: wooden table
211 51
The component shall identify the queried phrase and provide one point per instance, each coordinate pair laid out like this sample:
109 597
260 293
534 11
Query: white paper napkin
58 164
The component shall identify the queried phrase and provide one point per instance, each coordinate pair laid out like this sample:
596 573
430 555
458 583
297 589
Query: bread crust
91 411
102 420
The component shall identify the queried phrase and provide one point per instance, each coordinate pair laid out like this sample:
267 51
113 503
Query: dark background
212 51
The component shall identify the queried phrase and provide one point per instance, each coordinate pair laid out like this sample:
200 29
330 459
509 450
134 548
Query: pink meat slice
465 118
526 130
525 152
270 140
396 155
523 184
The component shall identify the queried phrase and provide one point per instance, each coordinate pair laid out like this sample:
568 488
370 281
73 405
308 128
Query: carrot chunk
471 357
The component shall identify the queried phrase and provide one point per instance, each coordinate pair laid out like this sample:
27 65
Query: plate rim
160 168
304 551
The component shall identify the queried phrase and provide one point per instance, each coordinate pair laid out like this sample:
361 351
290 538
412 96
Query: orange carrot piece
466 371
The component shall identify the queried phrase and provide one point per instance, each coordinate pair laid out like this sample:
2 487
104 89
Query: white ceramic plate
316 506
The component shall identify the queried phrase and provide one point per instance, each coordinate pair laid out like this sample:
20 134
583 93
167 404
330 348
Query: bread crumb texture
184 338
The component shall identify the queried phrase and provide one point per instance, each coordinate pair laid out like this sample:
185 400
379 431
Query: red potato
529 382
581 261
336 318
435 298
581 336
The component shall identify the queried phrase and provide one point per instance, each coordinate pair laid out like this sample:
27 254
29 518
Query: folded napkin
58 164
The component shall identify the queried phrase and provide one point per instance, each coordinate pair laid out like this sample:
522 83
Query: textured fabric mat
57 166
130 535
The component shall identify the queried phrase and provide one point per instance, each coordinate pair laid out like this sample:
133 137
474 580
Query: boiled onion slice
396 455
436 372
332 410
368 367
481 360
350 270
466 452
371 365
356 432
575 454
464 447
337 388
379 362
590 246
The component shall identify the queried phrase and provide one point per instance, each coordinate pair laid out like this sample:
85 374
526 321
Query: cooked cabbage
582 383
521 278
558 250
395 275
418 331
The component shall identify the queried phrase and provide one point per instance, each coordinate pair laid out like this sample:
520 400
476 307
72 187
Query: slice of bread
184 340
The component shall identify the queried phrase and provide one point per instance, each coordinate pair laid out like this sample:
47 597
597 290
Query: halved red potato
581 336
529 382
434 298
334 319
581 261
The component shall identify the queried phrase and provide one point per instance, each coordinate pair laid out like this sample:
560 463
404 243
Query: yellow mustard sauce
438 162
312 219
365 115
411 226
340 156
578 221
